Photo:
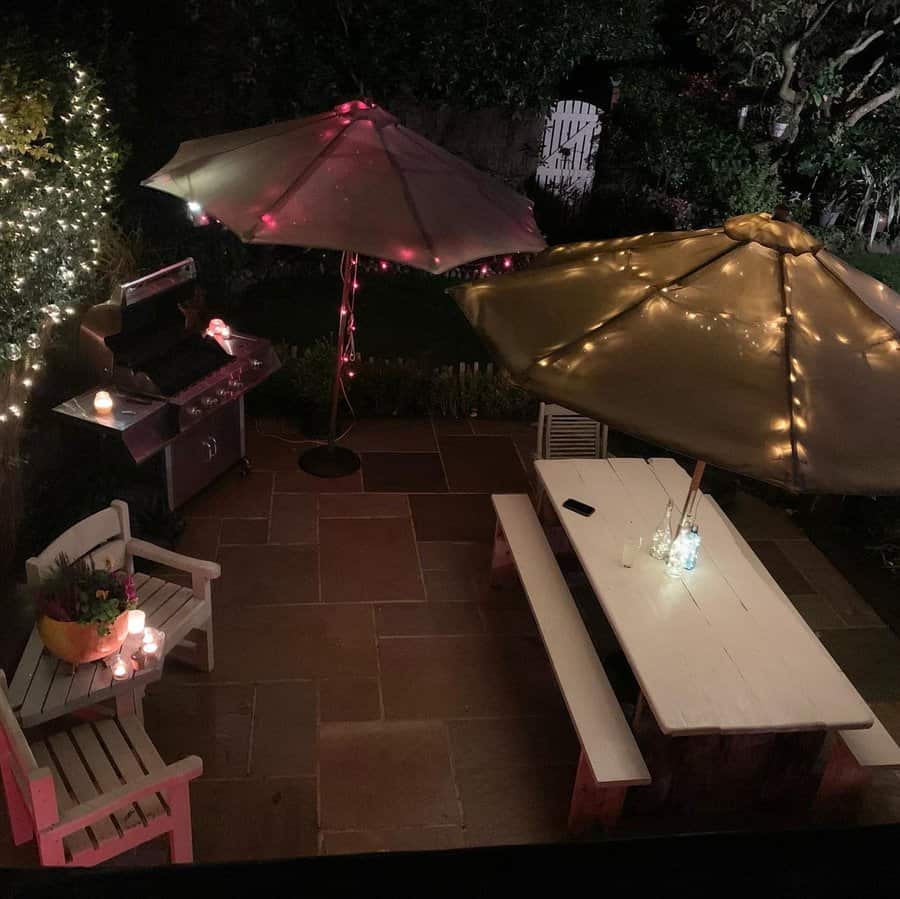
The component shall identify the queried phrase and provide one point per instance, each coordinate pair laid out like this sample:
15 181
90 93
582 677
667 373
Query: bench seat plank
606 738
873 747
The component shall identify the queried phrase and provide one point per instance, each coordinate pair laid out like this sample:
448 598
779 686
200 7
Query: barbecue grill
174 390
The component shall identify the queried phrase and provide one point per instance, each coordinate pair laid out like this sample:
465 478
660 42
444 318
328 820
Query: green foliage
302 388
54 206
700 168
882 266
78 591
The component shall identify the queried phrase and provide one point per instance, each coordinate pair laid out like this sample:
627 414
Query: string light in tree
55 194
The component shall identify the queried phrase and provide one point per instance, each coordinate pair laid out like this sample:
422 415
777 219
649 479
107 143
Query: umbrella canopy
351 179
748 345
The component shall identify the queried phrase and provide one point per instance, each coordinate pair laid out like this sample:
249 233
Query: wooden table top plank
633 505
720 649
738 700
596 537
784 631
33 705
758 682
26 669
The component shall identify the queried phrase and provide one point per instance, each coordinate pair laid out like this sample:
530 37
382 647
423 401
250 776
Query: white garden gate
567 154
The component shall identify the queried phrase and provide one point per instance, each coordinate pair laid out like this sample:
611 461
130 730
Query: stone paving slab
372 692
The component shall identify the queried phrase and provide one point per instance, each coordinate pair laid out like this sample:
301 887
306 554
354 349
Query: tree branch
865 79
872 105
789 55
861 43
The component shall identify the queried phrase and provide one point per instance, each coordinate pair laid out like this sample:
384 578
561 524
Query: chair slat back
565 434
35 784
81 540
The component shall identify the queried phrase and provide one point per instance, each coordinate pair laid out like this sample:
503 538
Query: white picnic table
720 650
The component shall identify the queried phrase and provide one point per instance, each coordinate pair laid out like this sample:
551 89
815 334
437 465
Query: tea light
136 621
103 402
151 644
120 667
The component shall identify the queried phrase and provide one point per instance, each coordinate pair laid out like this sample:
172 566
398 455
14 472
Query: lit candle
136 621
103 402
120 668
151 646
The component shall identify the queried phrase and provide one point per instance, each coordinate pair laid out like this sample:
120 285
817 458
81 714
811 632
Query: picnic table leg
503 568
593 803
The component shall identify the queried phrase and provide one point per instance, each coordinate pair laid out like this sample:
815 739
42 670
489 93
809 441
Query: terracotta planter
77 643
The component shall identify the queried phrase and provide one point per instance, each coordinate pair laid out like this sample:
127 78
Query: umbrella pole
331 460
699 467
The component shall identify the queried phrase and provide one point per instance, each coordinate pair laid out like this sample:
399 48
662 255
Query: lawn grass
885 267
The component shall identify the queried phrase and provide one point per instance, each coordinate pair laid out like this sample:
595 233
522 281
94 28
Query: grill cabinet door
202 453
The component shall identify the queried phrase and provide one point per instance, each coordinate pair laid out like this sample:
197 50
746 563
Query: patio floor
371 692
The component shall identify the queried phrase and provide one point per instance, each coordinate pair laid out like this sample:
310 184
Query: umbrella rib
788 352
855 295
296 182
468 171
257 140
651 292
409 199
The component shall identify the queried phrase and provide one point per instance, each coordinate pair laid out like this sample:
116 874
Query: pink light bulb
356 285
384 265
507 263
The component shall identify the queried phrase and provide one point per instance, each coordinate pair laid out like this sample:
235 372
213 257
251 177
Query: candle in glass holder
103 403
120 667
151 645
136 621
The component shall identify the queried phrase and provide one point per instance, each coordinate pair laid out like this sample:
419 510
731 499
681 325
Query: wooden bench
851 757
610 760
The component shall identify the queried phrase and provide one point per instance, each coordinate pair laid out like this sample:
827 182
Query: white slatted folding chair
564 434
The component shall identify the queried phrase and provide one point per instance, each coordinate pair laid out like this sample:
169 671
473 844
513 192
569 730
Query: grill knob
210 401
194 410
256 364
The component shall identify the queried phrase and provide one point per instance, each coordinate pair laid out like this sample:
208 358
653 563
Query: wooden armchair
93 792
184 613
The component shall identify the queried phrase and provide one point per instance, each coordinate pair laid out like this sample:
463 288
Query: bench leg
503 566
592 803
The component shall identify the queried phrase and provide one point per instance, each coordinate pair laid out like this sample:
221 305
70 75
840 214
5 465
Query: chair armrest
153 553
86 813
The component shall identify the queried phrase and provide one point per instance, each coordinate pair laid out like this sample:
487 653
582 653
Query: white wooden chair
93 792
564 434
43 688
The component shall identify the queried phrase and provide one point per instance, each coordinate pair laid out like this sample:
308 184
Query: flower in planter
82 593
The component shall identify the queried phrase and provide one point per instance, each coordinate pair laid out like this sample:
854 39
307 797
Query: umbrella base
329 461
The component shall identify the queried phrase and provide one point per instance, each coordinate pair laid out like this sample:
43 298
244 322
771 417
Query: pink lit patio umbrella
354 180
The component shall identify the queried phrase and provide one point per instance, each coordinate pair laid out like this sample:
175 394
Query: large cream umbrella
748 346
352 179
